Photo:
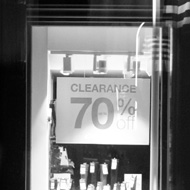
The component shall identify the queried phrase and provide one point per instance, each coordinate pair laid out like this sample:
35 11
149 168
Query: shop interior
73 52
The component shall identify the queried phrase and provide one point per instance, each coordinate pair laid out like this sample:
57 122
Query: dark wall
13 104
12 68
181 110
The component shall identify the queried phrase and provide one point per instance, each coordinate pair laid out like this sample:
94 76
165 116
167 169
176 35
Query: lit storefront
99 81
97 98
95 95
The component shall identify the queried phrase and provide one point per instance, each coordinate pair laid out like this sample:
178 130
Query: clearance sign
102 111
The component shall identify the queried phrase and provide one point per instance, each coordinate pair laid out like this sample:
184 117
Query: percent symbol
131 110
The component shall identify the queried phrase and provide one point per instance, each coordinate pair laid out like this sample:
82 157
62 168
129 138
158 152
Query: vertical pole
154 136
160 137
168 186
155 12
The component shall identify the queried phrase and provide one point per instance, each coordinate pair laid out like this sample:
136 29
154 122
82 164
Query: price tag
63 184
52 185
82 169
115 186
114 164
122 186
92 167
99 185
127 185
82 184
133 179
131 182
106 187
105 169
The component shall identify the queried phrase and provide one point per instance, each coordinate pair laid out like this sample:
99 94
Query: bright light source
67 70
101 67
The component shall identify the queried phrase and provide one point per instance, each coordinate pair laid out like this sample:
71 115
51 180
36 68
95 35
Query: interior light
66 70
101 67
126 72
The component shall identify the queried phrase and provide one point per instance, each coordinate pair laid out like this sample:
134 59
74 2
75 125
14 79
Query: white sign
133 181
102 111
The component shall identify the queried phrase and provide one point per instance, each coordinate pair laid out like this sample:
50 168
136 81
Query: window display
99 90
100 122
99 167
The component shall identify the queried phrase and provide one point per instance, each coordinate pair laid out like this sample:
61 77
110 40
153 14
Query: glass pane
97 88
94 134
